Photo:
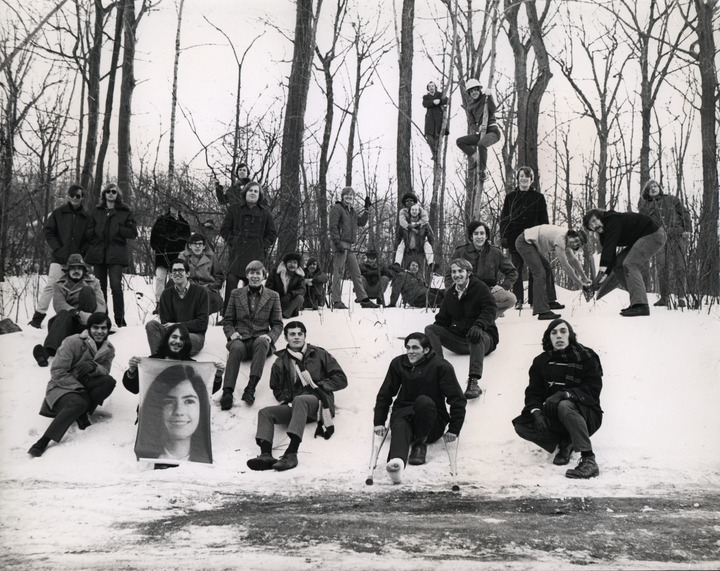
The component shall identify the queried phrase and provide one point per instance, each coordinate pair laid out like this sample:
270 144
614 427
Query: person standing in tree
562 401
669 213
67 231
523 208
485 129
235 192
435 102
168 237
113 226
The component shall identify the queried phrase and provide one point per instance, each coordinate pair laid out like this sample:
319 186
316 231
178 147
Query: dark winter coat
168 238
575 369
434 113
372 273
487 263
250 233
191 310
522 209
234 193
315 292
476 307
344 222
295 282
204 270
63 371
111 231
433 377
325 371
266 320
410 286
667 211
476 112
622 230
68 231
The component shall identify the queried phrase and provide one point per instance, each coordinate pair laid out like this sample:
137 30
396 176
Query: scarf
325 424
572 358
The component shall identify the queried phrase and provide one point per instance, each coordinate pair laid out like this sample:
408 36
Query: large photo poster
174 415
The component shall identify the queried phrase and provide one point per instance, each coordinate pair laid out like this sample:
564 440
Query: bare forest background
596 96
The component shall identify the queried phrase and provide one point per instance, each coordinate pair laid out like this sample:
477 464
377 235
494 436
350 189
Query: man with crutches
418 385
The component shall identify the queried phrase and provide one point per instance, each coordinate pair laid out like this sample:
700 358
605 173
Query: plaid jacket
267 318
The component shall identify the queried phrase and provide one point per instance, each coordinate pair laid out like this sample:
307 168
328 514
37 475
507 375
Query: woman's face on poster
181 411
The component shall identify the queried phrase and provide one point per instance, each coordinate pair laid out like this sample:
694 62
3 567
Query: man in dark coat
641 237
288 281
235 192
420 383
249 231
303 379
488 262
415 293
669 213
76 296
168 237
375 277
183 302
465 323
434 102
562 400
315 280
252 324
523 208
67 231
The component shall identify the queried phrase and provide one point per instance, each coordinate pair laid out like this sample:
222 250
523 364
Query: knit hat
292 256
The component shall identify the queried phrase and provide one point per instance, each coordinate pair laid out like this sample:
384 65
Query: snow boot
367 304
473 390
37 449
586 468
395 469
418 454
287 461
263 462
556 305
41 355
249 393
637 310
37 320
226 400
565 450
547 316
662 302
339 305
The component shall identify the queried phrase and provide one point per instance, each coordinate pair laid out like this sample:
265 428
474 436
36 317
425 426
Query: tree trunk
126 92
321 190
294 127
404 132
708 235
173 104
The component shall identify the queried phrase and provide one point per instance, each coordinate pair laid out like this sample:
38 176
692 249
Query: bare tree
404 129
173 102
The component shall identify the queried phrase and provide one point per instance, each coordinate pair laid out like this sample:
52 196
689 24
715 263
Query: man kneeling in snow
302 379
421 383
79 381
562 400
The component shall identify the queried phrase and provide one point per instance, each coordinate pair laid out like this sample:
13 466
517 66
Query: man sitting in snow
562 401
375 277
420 383
288 281
183 302
75 296
414 292
303 379
466 322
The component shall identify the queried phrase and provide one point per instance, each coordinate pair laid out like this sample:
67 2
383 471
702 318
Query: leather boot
249 393
119 308
37 320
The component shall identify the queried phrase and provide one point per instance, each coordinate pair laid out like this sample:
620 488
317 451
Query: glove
217 382
475 334
339 248
551 403
75 313
368 202
85 368
541 421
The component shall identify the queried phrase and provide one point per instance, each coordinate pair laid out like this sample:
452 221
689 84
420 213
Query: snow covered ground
661 398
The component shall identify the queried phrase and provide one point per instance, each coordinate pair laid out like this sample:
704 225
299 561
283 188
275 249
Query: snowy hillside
660 432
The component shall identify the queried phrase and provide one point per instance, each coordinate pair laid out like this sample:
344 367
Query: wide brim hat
76 260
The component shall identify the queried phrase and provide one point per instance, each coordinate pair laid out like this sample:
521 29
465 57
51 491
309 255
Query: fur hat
292 256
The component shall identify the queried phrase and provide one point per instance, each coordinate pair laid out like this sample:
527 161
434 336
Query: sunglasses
111 191
77 196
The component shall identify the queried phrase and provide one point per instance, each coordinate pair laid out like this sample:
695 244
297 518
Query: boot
586 468
556 305
37 449
418 454
41 355
662 302
263 462
287 461
37 320
395 469
119 308
83 421
226 400
637 310
563 455
368 304
547 315
249 393
339 305
473 390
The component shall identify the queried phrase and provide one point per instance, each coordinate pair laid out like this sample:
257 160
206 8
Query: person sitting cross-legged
288 281
303 380
183 302
252 324
562 401
75 297
417 385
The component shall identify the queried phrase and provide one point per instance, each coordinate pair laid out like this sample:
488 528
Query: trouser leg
338 273
570 417
503 299
67 409
539 267
424 417
87 301
355 276
61 326
468 144
477 354
293 306
115 273
231 282
433 331
98 389
548 440
518 288
260 351
238 351
101 273
154 331
304 410
55 272
635 262
268 417
161 274
197 341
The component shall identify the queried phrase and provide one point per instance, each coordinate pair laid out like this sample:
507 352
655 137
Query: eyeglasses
111 191
177 271
76 196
